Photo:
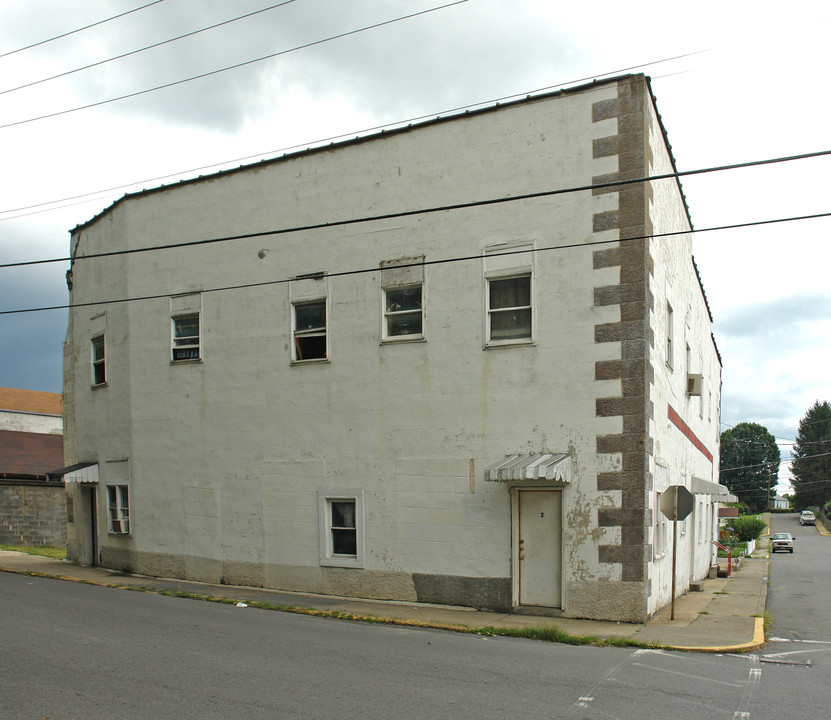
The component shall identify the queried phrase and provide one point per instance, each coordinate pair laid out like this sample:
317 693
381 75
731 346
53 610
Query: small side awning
531 466
719 493
80 473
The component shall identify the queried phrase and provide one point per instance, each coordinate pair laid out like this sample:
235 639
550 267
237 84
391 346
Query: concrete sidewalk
725 616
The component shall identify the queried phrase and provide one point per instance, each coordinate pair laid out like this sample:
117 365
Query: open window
118 509
310 342
186 328
185 344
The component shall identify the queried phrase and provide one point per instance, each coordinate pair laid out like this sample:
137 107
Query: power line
80 29
784 441
333 138
466 205
235 66
764 464
146 47
361 271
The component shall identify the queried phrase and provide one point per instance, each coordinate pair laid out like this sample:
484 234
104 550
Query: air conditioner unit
694 383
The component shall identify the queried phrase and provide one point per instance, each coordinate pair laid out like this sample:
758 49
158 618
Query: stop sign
676 502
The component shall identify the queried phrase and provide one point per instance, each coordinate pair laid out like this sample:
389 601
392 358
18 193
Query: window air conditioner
694 383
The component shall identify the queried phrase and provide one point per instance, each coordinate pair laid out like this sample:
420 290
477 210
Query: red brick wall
23 453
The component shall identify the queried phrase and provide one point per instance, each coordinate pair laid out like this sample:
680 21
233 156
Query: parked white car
807 518
781 541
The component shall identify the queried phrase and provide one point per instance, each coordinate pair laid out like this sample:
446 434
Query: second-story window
403 313
509 308
99 363
185 341
310 331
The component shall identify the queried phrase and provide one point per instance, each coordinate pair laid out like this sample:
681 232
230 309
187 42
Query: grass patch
768 621
57 553
549 633
552 633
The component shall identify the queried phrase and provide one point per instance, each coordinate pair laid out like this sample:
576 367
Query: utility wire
236 66
461 206
80 29
784 441
146 47
358 133
764 464
344 273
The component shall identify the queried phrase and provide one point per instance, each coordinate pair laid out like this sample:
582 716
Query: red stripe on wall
676 420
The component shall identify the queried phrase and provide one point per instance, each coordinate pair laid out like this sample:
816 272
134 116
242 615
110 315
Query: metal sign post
674 553
676 503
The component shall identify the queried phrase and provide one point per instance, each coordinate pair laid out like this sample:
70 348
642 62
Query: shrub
748 527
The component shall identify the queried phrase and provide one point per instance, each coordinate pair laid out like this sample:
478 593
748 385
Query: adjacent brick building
32 505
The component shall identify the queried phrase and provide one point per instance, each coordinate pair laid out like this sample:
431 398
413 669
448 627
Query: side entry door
540 549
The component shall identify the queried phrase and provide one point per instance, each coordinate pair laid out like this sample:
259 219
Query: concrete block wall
32 514
228 454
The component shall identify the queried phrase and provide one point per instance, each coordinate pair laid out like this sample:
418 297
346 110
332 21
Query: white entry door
540 547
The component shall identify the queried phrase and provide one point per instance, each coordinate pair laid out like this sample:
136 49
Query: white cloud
754 93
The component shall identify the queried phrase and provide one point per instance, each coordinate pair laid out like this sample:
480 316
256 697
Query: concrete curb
497 629
757 642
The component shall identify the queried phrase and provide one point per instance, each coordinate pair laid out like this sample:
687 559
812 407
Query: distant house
431 364
781 503
32 504
726 514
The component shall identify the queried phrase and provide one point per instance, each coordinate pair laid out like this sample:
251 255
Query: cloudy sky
735 82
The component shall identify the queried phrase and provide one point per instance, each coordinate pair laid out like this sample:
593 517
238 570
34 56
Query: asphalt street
799 640
72 650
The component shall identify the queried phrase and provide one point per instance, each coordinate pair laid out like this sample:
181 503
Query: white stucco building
424 365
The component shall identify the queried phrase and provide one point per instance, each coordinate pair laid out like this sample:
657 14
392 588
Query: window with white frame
341 528
659 540
688 357
118 503
185 337
99 360
403 313
670 335
509 309
309 331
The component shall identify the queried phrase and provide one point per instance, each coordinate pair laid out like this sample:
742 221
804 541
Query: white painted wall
676 459
226 456
31 422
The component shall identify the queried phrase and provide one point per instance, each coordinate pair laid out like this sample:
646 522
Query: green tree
750 464
748 527
811 466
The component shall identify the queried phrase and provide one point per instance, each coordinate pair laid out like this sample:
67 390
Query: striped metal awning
80 473
531 466
719 493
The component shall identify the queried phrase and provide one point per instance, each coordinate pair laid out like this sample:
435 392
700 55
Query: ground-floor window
341 528
118 502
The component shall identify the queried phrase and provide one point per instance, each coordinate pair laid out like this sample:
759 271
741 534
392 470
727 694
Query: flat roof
387 131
